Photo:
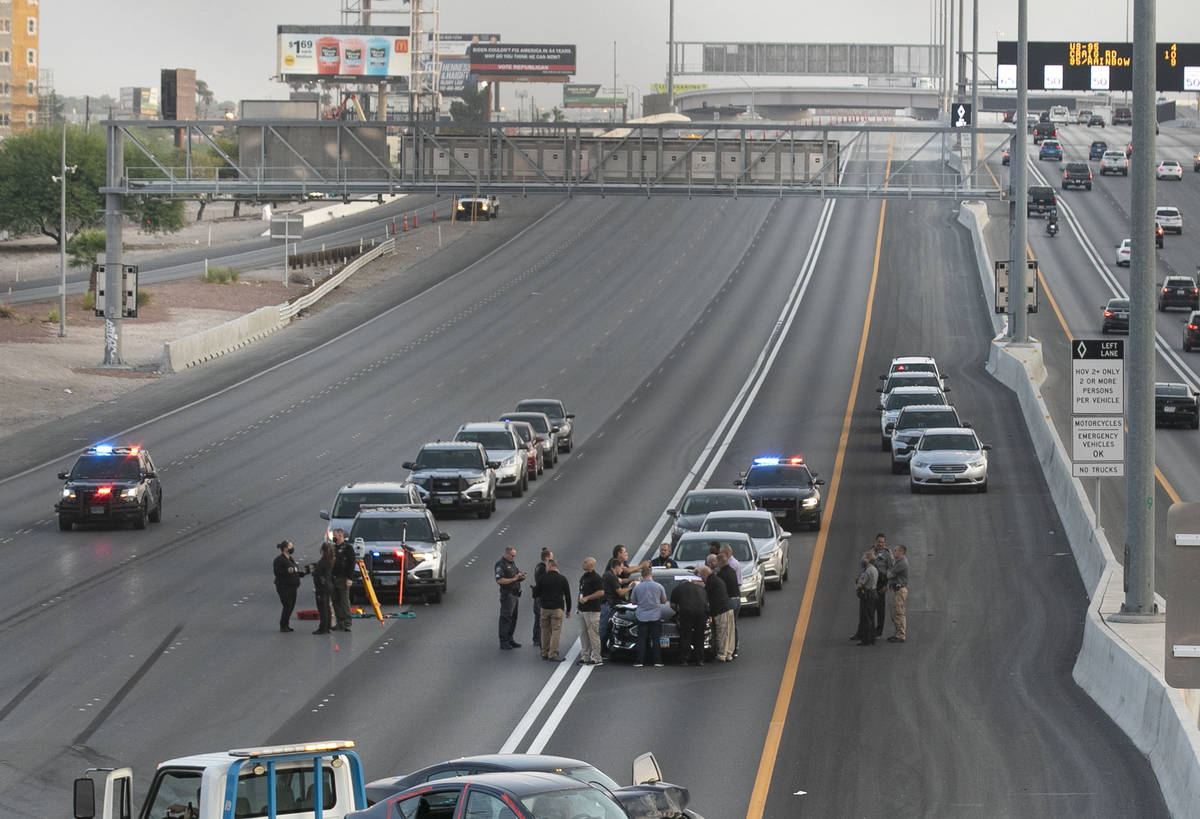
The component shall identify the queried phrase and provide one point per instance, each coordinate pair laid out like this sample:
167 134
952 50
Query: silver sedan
949 456
770 540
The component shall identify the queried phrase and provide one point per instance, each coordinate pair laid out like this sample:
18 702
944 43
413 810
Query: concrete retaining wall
223 338
1128 687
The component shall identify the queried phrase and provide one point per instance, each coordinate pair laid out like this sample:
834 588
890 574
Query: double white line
1164 348
697 477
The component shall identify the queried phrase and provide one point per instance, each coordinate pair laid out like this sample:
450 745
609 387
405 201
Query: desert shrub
222 275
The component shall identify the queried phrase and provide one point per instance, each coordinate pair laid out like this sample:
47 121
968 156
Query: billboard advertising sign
1096 66
454 51
512 61
591 95
341 53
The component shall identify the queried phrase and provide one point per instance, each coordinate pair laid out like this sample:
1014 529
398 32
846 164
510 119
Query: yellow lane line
766 763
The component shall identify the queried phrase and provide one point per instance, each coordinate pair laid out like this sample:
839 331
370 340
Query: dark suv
1044 130
1178 291
110 484
785 488
455 475
559 418
1077 175
1041 200
1097 149
1191 332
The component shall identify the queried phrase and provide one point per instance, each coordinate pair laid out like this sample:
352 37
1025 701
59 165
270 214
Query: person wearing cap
864 586
898 583
344 563
287 581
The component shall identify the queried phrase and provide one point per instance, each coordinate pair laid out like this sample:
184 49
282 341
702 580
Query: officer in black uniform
287 581
344 562
508 578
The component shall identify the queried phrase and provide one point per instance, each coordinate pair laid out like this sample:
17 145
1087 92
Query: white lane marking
731 422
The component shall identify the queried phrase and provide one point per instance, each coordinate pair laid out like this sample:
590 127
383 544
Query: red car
537 463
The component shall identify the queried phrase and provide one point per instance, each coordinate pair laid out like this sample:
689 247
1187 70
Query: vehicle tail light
1089 174
104 490
398 554
1064 174
1108 313
1194 326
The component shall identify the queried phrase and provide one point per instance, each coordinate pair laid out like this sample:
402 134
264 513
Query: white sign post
1098 410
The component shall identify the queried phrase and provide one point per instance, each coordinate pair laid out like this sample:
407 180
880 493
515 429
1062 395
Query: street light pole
62 238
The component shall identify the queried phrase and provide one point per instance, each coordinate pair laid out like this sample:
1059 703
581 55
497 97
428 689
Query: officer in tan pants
898 583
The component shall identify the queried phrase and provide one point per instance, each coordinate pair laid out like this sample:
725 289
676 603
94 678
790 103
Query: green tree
472 107
204 97
156 214
29 197
83 247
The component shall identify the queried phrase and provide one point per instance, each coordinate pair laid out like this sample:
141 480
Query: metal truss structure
291 158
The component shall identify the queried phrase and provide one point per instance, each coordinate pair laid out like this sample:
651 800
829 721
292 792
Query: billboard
588 95
454 51
523 61
139 102
1096 66
679 87
342 53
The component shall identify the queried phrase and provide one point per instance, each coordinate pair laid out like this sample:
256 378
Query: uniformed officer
508 578
344 563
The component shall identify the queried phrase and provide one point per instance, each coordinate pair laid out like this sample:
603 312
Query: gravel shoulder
47 377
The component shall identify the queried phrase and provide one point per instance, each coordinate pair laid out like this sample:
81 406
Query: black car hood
800 492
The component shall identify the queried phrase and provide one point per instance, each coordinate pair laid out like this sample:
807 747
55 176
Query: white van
1059 114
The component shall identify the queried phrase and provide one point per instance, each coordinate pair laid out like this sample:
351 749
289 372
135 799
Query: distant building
18 66
139 103
178 86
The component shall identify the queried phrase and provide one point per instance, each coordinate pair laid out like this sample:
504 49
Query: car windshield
899 400
694 550
914 367
347 503
947 440
1172 390
539 422
911 379
106 467
1118 304
551 408
399 530
703 504
755 527
449 459
490 438
778 476
525 431
589 774
920 419
588 802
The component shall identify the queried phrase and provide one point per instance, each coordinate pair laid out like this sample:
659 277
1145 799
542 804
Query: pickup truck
1041 200
264 782
1077 175
1044 130
483 206
1114 162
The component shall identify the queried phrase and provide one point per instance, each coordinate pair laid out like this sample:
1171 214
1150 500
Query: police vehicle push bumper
105 502
457 492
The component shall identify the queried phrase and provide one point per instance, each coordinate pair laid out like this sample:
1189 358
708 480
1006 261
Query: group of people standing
881 570
714 592
332 575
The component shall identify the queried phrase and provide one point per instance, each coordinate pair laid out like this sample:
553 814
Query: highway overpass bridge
786 103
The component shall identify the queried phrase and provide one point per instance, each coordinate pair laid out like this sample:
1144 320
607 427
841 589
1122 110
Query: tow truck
321 780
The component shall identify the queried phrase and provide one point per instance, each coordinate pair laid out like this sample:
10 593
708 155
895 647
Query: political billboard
342 53
454 53
592 95
500 61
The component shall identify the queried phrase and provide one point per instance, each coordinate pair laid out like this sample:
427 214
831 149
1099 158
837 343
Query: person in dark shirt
689 599
508 578
664 557
721 611
615 591
554 593
322 575
591 598
538 571
344 563
729 575
287 581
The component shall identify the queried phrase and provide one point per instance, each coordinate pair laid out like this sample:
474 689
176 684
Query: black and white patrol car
110 484
786 488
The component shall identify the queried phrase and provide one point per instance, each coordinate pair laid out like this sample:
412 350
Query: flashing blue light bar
766 461
773 461
104 449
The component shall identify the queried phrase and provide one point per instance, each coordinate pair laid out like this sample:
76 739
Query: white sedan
1169 169
1123 253
949 456
770 540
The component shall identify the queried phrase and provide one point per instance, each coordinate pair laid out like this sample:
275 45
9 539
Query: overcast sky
97 46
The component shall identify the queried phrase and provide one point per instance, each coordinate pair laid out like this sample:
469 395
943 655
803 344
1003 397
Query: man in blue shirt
650 597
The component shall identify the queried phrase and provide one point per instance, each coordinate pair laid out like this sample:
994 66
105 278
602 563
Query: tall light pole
61 179
671 58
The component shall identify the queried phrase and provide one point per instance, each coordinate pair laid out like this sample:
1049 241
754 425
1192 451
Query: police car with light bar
400 540
110 484
786 488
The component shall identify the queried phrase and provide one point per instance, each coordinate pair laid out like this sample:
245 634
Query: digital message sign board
1096 66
